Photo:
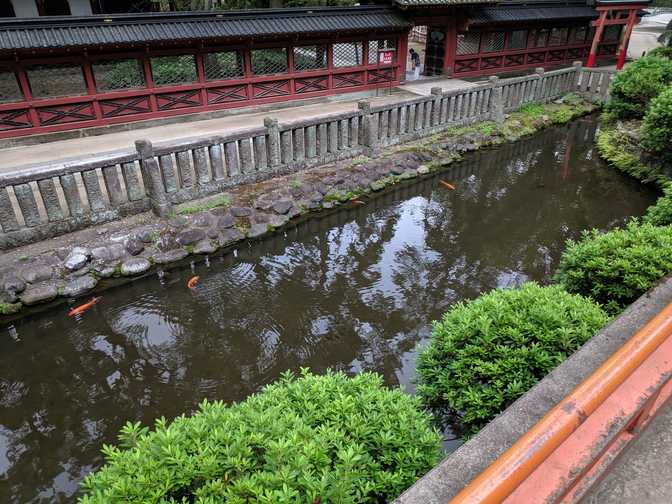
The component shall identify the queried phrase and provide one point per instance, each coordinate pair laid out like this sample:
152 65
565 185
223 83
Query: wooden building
62 73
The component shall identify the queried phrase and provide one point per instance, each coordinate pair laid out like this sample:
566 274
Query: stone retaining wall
47 201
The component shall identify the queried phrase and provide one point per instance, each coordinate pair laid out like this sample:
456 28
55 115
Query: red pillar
599 28
623 49
450 48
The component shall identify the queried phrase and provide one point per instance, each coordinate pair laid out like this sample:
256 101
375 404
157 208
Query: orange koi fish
82 308
358 202
446 184
193 281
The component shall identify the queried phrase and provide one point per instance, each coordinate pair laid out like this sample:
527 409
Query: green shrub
661 52
484 354
313 439
657 131
660 214
636 85
617 267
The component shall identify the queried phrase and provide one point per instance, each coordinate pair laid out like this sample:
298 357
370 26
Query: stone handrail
48 200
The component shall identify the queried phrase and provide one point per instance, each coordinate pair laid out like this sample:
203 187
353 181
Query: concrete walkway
643 474
62 150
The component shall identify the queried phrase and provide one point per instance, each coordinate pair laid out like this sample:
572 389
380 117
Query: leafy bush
661 52
617 267
660 214
657 131
313 439
484 354
636 85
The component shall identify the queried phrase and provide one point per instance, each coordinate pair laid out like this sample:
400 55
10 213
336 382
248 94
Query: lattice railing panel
348 54
125 106
537 57
172 70
270 89
269 61
382 75
9 87
493 62
311 84
227 94
185 99
15 119
469 65
348 79
51 81
112 75
223 65
312 57
62 114
513 60
556 55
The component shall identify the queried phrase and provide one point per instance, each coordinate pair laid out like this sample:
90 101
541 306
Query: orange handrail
507 472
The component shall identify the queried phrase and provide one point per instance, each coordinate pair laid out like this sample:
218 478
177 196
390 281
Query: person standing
415 63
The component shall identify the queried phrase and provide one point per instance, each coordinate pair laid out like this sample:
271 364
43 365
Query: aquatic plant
310 439
617 267
485 353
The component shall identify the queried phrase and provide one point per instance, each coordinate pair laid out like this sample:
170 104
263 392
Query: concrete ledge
444 481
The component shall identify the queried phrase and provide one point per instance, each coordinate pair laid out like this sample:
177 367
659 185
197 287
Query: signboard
385 56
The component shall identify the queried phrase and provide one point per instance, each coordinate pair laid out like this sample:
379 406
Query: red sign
385 57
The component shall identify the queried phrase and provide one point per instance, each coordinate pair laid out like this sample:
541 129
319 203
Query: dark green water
354 290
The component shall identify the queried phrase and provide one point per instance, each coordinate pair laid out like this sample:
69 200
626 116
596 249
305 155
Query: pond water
354 290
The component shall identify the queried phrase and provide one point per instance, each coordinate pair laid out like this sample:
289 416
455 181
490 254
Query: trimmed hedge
657 131
660 214
310 439
484 354
617 267
636 85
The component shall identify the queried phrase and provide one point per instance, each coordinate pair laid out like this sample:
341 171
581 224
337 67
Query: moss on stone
10 308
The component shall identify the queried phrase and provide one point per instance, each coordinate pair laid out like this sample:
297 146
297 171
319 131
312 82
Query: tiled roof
125 29
439 3
511 14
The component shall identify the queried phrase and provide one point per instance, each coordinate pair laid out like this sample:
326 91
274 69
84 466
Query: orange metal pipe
507 472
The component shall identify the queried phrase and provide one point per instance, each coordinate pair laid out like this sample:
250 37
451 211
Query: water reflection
355 290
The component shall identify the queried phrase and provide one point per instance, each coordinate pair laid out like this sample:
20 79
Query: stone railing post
151 176
578 68
273 132
437 93
541 84
497 112
369 124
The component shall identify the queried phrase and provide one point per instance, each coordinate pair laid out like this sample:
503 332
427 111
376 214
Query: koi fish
358 202
446 184
192 282
82 308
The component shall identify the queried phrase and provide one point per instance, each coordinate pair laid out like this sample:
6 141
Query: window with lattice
517 40
311 57
269 61
611 34
9 86
467 43
172 70
558 36
348 54
111 75
51 81
492 42
540 37
578 35
376 46
223 65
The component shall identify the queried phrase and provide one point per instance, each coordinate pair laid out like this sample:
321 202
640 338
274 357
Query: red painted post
623 49
402 55
450 48
599 28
